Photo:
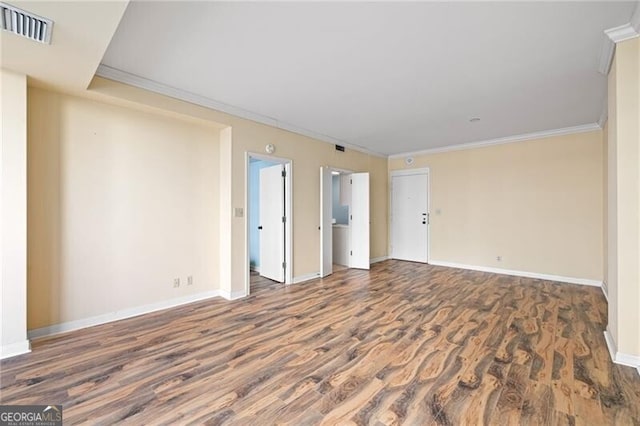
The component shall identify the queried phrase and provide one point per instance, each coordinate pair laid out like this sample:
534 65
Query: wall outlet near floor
190 280
176 282
499 258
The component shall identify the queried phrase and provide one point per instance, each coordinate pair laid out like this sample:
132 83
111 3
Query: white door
359 221
409 217
326 225
271 226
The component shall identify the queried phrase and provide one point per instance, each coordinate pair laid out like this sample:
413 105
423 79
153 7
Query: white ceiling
390 77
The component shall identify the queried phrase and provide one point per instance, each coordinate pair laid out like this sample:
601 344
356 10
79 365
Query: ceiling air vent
25 24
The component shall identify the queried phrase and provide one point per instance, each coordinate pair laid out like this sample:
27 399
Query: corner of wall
225 180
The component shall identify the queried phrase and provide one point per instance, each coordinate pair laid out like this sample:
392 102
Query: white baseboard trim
619 357
378 259
255 269
306 277
570 280
233 295
118 315
15 349
605 290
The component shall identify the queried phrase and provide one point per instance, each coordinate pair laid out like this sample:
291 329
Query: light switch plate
238 212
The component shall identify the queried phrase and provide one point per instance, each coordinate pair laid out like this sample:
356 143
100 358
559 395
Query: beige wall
121 201
129 189
13 180
307 155
605 207
537 204
624 201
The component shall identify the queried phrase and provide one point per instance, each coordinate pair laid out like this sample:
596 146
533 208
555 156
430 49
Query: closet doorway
344 220
268 201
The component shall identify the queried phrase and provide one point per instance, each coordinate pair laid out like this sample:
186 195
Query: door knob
259 227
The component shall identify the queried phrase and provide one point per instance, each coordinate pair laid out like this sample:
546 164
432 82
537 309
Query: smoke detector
25 24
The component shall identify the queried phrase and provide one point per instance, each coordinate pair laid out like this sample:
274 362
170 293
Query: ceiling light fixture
474 120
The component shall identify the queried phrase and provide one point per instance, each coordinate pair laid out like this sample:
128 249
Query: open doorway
344 220
268 205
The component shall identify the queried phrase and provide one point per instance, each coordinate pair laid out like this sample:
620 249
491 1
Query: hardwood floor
402 344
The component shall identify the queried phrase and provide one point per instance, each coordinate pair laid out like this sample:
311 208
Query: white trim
621 33
15 349
288 195
119 315
604 116
322 242
410 172
306 277
378 259
606 55
613 36
619 357
548 277
626 359
163 89
234 295
611 344
509 139
635 18
605 290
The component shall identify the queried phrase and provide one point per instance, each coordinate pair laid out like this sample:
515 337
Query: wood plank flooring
404 343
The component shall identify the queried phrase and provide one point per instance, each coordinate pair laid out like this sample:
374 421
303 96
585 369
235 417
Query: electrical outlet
190 280
176 282
499 258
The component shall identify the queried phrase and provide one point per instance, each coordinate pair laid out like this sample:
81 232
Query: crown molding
124 77
616 35
621 33
604 114
500 141
606 55
603 118
635 19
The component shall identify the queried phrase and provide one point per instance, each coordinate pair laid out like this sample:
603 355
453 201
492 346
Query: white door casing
359 221
410 216
272 226
326 225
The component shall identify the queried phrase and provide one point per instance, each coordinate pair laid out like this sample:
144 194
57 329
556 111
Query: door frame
409 172
288 208
340 171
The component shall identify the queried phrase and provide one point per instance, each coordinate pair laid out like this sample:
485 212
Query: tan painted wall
170 173
624 198
538 204
121 201
612 204
307 155
13 212
605 207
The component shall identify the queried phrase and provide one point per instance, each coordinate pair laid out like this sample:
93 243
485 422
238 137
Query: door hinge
351 253
284 173
351 181
351 216
284 219
284 265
